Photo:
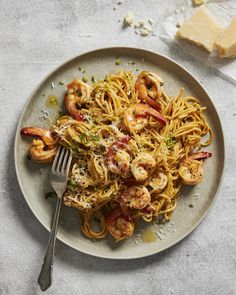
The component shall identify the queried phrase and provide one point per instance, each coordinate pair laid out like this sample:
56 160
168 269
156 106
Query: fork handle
45 276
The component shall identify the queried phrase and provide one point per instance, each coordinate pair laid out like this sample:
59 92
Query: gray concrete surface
35 37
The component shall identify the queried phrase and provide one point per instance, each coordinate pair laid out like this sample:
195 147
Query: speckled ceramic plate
34 178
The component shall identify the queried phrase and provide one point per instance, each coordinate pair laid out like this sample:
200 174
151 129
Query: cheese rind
226 42
201 29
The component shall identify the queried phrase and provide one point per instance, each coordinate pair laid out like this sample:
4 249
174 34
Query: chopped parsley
85 80
118 62
93 79
76 150
170 141
72 184
83 138
95 137
190 205
61 83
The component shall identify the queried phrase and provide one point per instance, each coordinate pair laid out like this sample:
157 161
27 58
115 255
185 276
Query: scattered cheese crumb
141 24
144 32
140 28
182 9
44 115
128 20
148 28
160 236
52 85
161 231
177 11
198 2
85 35
197 195
151 21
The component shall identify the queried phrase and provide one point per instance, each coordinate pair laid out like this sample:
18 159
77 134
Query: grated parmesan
128 20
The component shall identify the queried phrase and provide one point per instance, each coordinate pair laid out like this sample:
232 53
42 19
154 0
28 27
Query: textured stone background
35 37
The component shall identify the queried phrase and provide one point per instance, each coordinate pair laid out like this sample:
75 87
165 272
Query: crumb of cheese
128 20
198 2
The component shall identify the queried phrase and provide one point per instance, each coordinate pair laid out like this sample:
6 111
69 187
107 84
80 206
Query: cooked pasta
133 148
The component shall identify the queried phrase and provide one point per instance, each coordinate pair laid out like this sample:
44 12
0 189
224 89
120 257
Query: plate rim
51 72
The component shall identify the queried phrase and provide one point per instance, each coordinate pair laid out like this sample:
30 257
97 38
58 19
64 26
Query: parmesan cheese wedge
226 42
201 29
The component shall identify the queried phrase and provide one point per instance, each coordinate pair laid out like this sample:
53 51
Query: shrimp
135 118
150 88
136 197
191 169
142 165
44 148
118 225
117 159
78 93
158 182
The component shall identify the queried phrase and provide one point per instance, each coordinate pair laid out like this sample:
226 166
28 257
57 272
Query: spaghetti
133 148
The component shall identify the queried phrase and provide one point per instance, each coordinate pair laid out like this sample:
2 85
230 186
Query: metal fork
59 175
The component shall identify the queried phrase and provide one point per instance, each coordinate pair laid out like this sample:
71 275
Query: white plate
34 178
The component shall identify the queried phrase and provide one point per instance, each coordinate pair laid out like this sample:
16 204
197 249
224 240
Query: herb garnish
72 184
83 138
95 137
85 80
170 141
118 62
93 79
